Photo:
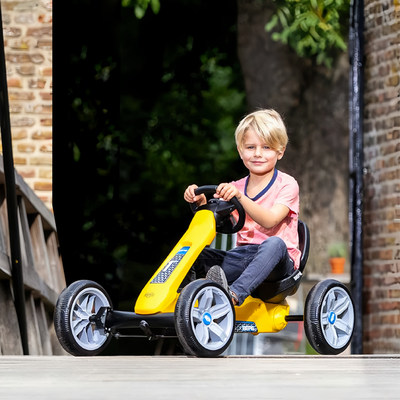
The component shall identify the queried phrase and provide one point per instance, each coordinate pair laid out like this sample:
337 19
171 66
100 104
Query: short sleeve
289 196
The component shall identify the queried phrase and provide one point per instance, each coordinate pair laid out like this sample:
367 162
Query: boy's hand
191 197
226 191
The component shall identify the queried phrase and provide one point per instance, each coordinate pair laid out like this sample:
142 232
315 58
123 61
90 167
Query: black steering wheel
225 223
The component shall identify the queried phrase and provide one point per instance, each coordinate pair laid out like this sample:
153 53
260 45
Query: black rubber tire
214 318
70 300
329 317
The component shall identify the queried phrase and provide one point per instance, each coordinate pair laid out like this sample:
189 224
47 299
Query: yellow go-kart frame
201 314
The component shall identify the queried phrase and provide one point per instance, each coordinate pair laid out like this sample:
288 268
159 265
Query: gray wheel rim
85 332
212 318
337 317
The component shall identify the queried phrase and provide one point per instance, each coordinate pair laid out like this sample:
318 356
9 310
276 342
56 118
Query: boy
267 244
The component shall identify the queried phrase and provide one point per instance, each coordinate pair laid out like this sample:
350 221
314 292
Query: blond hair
268 125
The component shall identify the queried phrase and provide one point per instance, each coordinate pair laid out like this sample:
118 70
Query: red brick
42 135
26 147
43 186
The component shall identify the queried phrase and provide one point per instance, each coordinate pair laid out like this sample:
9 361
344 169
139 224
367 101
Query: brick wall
27 29
382 177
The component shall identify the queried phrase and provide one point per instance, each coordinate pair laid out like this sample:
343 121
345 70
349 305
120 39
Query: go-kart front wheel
79 333
204 319
329 317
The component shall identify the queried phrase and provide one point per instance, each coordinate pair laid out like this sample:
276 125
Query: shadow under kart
202 315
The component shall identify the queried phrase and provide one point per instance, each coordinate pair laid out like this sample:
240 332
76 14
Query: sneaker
217 275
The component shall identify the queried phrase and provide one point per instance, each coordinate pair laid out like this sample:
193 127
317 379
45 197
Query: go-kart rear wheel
204 319
77 331
329 317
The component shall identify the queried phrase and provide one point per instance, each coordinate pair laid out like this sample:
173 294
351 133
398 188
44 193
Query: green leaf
325 27
272 23
155 6
282 18
76 152
140 11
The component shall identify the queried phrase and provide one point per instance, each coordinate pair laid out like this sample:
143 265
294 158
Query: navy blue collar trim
265 190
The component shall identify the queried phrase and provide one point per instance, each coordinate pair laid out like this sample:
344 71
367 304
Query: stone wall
27 29
382 177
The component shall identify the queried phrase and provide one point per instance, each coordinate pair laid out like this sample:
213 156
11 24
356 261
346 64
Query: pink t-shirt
283 189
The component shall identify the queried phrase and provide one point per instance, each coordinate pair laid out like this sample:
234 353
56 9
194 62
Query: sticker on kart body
165 273
245 327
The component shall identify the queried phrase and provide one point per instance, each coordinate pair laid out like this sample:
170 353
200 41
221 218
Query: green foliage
141 6
313 28
186 137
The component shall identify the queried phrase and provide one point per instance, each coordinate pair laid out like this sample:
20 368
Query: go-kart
201 314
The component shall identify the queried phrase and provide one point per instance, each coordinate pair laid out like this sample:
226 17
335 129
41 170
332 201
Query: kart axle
118 335
294 318
124 320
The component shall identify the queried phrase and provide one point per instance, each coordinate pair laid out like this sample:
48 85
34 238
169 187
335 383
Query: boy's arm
266 218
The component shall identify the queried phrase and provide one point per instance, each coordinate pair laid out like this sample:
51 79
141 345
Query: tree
314 101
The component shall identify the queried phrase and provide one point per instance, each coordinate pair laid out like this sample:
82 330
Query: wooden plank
39 247
35 346
25 234
55 260
44 325
5 243
10 338
3 226
5 266
31 278
24 239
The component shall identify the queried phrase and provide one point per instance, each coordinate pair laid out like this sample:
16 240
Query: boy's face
257 156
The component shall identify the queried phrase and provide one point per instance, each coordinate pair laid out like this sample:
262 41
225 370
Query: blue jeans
246 267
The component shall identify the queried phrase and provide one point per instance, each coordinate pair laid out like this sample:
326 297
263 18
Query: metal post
356 165
11 197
